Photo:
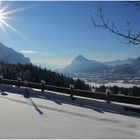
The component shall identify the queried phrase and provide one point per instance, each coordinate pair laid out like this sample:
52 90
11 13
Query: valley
110 79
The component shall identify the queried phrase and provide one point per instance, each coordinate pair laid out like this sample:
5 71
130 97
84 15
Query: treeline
32 73
132 91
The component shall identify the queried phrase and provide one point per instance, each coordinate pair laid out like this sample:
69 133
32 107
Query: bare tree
136 3
129 36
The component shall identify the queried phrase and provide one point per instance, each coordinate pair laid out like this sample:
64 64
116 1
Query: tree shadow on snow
36 108
60 99
20 91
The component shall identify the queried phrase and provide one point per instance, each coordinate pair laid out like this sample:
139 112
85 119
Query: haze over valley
60 36
92 71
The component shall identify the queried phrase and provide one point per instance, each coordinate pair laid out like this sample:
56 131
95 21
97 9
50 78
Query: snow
54 115
113 84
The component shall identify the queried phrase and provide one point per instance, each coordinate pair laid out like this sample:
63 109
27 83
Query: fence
74 92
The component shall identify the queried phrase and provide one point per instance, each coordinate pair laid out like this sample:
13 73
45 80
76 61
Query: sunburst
5 15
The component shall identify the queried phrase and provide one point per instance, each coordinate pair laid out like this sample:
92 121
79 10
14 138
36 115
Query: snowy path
56 116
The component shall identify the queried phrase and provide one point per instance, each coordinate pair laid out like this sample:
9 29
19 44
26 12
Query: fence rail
72 92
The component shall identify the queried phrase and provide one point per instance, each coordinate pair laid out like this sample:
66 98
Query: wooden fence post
43 84
1 77
19 80
27 92
108 92
71 91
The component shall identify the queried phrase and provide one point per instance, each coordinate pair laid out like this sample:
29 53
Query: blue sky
53 33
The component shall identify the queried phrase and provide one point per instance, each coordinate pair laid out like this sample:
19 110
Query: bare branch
128 35
136 3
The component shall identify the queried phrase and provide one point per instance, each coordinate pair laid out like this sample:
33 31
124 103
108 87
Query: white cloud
29 52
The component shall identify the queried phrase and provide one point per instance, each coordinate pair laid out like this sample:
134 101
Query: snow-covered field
53 115
113 84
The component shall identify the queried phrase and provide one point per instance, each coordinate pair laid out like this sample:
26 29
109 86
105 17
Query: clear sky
54 33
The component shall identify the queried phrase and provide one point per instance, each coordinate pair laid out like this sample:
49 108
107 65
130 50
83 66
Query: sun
5 16
2 17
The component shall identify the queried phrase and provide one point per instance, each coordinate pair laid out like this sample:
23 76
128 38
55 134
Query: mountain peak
80 58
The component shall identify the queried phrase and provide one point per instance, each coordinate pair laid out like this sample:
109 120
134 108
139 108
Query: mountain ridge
9 55
119 62
81 64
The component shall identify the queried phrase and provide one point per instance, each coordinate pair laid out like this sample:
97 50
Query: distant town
125 80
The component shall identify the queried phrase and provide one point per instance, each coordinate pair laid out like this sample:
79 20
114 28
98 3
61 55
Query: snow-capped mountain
82 65
120 62
9 55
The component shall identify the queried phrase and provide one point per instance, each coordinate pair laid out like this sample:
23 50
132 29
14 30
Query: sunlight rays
5 7
3 29
15 10
13 29
5 16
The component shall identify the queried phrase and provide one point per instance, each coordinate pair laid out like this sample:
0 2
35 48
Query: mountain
135 64
9 55
124 69
33 73
119 62
129 66
82 65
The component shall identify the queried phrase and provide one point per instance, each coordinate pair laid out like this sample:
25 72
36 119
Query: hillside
119 62
34 73
9 55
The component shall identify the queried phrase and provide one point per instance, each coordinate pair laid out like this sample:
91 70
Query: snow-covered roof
53 115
